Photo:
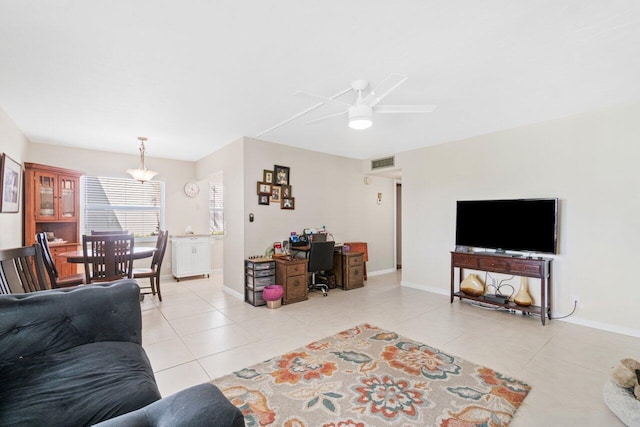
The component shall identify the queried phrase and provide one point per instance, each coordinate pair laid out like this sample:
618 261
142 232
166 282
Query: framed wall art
10 183
267 176
286 191
288 203
275 194
281 174
264 189
263 200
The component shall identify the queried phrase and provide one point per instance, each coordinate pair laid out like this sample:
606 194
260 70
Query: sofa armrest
198 406
48 322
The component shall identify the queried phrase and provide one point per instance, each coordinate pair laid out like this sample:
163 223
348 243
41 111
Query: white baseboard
380 272
232 292
602 326
425 288
575 320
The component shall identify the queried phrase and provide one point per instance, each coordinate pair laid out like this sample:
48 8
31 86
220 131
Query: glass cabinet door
45 195
68 194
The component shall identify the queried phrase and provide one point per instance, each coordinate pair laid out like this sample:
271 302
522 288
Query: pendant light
142 174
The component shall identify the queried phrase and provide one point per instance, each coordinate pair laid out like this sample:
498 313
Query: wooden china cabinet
52 205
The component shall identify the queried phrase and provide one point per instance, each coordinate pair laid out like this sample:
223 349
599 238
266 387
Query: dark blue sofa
73 357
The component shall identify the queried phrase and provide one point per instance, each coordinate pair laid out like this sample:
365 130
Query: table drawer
493 264
296 269
355 260
523 267
356 275
296 287
462 260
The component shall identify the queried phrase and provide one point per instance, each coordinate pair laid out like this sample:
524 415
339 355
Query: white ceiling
194 75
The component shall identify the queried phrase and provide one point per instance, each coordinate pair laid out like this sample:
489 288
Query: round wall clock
191 189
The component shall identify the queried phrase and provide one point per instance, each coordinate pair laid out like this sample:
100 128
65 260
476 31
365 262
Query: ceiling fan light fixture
360 117
142 174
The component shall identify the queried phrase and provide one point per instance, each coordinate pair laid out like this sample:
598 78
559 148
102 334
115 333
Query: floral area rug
366 376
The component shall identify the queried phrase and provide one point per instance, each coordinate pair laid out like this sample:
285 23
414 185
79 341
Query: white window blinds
216 209
117 204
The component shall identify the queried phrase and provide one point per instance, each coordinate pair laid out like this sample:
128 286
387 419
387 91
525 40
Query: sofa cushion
48 322
79 386
202 405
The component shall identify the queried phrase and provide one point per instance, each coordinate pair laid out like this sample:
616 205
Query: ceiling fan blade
290 119
325 99
384 88
404 108
326 117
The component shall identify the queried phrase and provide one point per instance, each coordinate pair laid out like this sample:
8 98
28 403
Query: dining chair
108 232
153 272
22 270
50 266
107 257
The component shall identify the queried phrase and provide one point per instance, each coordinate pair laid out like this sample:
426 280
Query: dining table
77 257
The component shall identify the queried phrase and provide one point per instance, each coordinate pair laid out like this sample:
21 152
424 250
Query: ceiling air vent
383 163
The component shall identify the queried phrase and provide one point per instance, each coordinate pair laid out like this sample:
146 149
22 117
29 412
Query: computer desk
307 248
348 267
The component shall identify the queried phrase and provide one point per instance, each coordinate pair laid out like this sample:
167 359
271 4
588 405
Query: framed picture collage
275 188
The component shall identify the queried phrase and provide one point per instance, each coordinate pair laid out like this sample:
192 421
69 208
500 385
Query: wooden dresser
292 276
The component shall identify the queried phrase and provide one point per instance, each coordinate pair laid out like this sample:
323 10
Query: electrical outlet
575 299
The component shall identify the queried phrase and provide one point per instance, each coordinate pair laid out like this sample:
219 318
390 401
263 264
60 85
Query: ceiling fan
361 112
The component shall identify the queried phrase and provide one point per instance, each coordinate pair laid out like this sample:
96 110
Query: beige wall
588 161
328 190
228 161
14 144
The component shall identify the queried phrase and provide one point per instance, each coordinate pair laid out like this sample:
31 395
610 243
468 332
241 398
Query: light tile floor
199 332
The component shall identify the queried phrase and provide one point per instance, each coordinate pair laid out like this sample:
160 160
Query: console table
539 268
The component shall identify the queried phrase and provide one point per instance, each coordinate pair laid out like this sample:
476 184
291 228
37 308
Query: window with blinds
216 209
116 204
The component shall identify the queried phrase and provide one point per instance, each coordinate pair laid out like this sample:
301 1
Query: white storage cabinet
190 255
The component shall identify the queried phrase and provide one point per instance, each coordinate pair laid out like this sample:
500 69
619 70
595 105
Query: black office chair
320 259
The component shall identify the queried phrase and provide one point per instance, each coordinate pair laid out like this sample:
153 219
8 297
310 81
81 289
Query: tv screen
527 225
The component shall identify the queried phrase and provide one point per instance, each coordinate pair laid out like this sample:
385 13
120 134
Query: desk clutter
291 265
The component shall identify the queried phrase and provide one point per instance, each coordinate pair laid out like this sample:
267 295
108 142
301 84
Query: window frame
217 234
108 207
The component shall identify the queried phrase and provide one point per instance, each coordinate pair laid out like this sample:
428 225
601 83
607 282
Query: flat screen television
526 225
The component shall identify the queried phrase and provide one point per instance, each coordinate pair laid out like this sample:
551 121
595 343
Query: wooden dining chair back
107 232
153 273
50 266
22 270
107 257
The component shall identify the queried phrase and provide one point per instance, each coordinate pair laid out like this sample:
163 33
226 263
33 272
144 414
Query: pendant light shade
142 174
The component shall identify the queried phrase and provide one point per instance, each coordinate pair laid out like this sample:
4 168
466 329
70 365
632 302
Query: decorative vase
472 286
523 297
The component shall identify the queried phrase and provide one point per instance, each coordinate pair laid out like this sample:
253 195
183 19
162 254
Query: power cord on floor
575 305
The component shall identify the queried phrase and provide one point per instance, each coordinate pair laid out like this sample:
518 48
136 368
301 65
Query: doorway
398 225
